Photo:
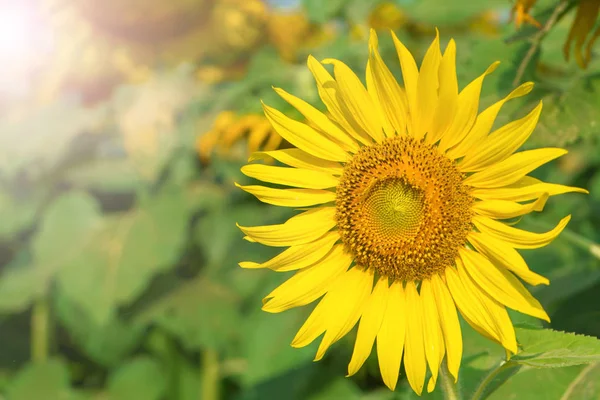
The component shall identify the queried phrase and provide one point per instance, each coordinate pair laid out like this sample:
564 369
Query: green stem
537 40
40 317
450 389
210 375
480 392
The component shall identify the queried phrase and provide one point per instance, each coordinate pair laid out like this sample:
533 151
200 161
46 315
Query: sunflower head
405 192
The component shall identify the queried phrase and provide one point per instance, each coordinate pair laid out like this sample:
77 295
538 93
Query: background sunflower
123 127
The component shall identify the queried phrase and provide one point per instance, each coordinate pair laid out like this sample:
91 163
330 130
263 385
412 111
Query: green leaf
546 348
125 254
341 388
18 214
523 64
140 378
49 380
570 113
266 344
188 384
105 344
357 11
20 285
570 383
105 175
199 313
66 227
222 241
444 13
322 11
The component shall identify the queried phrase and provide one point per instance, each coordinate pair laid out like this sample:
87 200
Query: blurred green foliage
119 250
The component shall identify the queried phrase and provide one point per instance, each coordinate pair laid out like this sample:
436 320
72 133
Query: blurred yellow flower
290 32
384 16
585 20
236 29
521 13
230 129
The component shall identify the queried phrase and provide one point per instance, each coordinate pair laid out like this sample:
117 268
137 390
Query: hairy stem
450 389
210 375
40 320
481 389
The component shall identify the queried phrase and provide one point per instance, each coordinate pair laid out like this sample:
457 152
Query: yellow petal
319 119
513 168
310 283
525 189
427 88
505 256
369 325
297 177
388 131
501 143
414 346
484 122
391 96
300 229
518 238
329 93
356 99
289 197
466 111
501 285
338 311
410 75
449 324
304 137
350 305
503 209
448 95
433 339
391 336
496 312
472 304
482 312
298 256
299 159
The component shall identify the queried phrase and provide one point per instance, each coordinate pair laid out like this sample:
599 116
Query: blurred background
123 125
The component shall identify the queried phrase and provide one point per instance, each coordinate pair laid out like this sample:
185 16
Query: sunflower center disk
402 209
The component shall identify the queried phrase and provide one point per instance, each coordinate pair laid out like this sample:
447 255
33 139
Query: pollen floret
402 209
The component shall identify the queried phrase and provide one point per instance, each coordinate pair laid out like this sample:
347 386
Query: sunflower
585 20
403 192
